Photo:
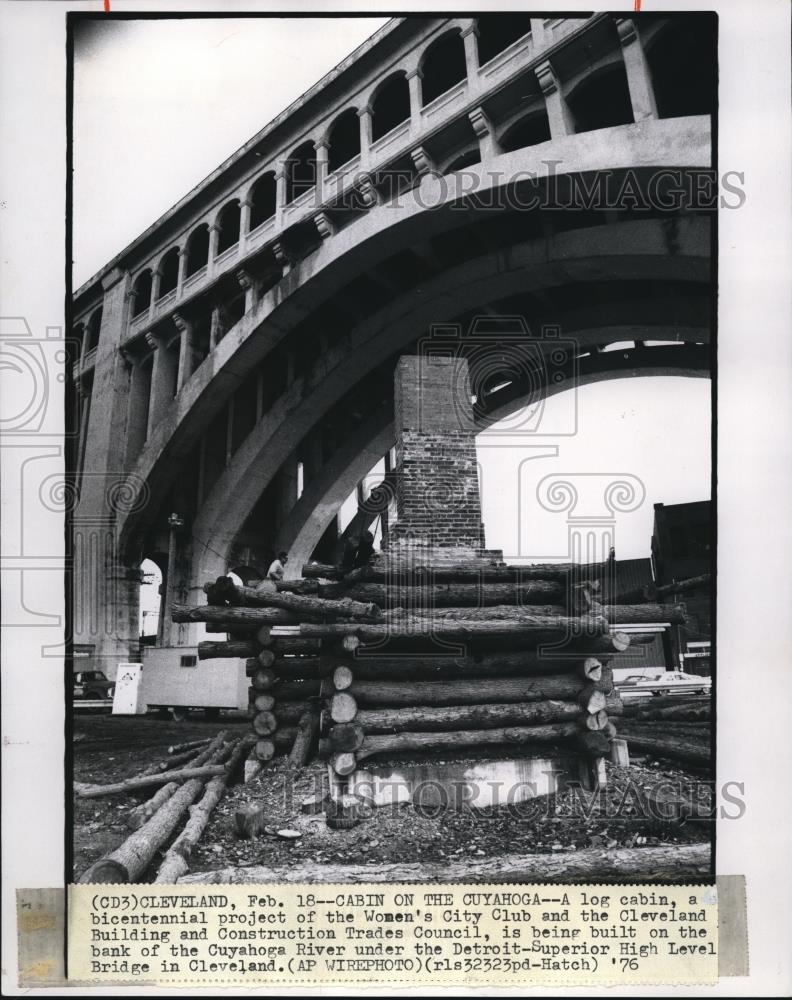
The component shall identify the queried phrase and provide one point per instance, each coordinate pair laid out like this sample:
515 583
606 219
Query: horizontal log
233 617
240 631
668 863
463 692
422 718
642 614
324 571
417 629
345 736
673 747
388 571
296 690
651 592
465 739
292 711
264 679
459 595
294 645
237 649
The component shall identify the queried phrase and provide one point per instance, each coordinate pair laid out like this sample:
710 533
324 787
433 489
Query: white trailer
175 679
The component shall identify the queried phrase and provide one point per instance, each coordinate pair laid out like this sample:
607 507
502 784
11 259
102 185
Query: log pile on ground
154 822
431 658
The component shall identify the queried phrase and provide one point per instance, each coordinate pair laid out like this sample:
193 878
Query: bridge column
437 487
538 34
639 78
414 78
470 39
163 380
156 279
364 114
214 239
280 195
182 270
244 218
321 146
482 126
185 328
559 116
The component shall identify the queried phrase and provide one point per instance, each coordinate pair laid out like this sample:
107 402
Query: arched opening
529 131
497 32
468 159
228 226
300 171
76 343
602 100
344 138
151 598
390 105
94 327
683 61
142 293
197 250
443 66
263 197
169 271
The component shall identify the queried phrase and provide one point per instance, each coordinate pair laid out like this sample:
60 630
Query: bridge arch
606 254
392 229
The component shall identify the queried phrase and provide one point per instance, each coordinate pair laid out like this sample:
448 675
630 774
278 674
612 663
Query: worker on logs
358 551
275 572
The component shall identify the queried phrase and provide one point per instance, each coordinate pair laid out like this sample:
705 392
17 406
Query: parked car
92 685
668 682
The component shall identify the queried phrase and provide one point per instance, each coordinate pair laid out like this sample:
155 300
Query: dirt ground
111 748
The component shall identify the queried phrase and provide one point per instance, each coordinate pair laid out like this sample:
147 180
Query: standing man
277 567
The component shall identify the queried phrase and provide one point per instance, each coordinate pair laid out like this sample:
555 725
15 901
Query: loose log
594 720
306 730
263 703
87 791
688 713
264 723
342 678
593 744
640 614
651 592
466 692
591 699
344 763
482 716
591 668
462 739
176 861
188 745
264 749
345 736
343 707
208 650
674 748
459 595
264 679
179 758
142 814
669 863
128 862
